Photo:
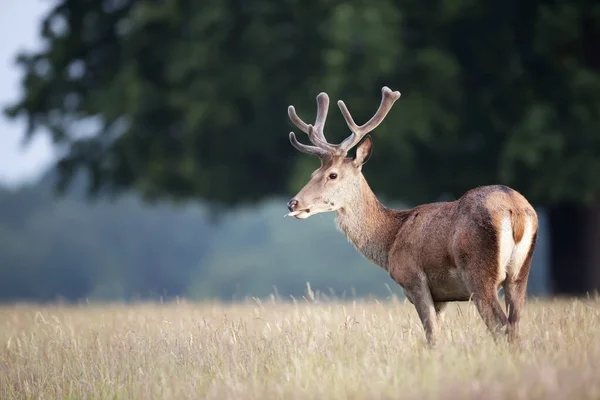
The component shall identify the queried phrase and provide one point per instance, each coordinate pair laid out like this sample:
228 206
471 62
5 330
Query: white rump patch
512 255
507 245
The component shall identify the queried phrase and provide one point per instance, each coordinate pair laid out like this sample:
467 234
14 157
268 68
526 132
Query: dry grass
306 350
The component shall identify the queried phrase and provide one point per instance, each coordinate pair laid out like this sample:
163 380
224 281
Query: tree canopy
188 99
180 99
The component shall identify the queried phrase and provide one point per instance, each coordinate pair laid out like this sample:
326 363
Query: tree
188 100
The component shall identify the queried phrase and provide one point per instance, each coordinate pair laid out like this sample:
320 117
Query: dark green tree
187 99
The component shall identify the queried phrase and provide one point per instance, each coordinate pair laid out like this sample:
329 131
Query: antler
324 149
315 134
358 132
311 150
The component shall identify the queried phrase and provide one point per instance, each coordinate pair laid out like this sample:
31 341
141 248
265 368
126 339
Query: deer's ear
363 152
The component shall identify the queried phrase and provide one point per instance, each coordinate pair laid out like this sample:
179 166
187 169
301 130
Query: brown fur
443 252
498 201
518 222
437 252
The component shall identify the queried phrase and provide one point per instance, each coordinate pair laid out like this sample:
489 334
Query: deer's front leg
419 295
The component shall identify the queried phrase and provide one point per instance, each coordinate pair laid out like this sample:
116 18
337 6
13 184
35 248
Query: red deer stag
439 252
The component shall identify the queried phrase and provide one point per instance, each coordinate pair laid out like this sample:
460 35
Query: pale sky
19 29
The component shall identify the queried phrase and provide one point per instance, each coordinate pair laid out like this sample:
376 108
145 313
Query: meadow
293 350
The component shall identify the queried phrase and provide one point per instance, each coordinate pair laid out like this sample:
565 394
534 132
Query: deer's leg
480 275
420 296
514 295
490 309
485 296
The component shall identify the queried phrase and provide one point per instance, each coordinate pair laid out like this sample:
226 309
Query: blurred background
144 145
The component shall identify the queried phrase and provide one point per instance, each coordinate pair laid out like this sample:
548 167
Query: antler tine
311 150
358 132
316 136
322 110
303 126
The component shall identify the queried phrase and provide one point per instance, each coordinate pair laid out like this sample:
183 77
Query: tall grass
310 349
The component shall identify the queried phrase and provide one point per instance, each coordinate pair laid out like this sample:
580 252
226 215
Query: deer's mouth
308 212
299 214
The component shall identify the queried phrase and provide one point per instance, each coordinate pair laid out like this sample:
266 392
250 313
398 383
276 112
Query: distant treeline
74 249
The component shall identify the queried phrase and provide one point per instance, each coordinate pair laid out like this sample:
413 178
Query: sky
19 30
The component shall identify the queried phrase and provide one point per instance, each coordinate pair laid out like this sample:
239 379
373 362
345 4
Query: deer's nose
292 204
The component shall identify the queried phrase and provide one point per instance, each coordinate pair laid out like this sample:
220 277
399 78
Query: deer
441 252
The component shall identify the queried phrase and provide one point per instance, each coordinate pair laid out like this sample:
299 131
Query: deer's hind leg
489 307
514 295
482 282
481 276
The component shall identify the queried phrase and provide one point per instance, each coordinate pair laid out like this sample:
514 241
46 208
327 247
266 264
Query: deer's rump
482 238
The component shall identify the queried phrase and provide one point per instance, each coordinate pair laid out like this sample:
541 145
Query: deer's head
338 180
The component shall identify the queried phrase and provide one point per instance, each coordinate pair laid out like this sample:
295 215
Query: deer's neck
368 225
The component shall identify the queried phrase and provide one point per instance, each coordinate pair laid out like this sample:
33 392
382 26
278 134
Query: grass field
362 349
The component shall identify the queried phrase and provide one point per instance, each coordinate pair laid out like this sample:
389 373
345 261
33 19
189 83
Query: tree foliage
188 99
184 99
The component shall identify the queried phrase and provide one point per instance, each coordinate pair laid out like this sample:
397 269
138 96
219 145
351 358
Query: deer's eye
332 175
